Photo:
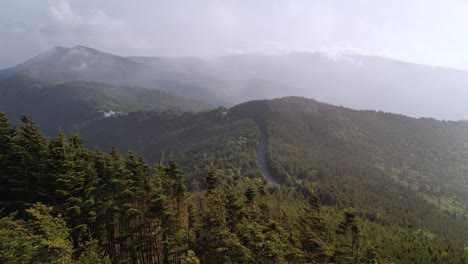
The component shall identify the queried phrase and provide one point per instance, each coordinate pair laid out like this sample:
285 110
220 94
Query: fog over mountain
356 81
428 32
342 53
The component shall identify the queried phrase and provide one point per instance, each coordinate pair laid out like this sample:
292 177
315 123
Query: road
262 164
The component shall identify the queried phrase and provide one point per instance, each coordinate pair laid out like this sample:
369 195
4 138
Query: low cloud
59 24
83 66
418 31
95 28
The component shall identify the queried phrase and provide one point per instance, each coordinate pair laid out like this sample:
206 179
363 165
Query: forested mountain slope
356 81
393 169
71 104
75 205
60 64
190 138
425 155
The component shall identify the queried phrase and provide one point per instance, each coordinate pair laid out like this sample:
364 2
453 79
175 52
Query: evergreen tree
313 233
349 228
28 165
216 243
103 207
7 135
41 239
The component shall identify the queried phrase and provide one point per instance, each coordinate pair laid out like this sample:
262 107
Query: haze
233 131
336 52
428 32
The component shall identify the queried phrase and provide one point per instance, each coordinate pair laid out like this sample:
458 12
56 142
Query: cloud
59 23
95 28
83 66
418 31
60 11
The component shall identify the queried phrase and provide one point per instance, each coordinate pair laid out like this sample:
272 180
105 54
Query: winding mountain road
262 158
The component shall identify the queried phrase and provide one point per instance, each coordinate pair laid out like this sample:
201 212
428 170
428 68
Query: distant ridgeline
363 82
354 186
72 104
340 199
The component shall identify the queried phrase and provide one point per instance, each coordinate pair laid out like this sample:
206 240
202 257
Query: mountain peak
81 47
84 48
60 53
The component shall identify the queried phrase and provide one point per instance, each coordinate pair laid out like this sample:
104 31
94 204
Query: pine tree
170 205
28 165
40 239
349 228
250 194
7 135
76 185
313 233
216 243
136 222
116 221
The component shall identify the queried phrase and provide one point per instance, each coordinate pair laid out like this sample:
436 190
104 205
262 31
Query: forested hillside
192 139
309 139
393 170
60 64
356 81
63 203
71 104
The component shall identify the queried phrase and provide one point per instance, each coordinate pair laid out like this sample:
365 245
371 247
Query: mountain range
402 175
356 81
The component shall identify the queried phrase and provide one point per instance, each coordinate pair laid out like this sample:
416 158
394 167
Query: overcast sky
427 31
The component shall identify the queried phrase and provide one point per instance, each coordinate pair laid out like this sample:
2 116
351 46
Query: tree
216 243
349 227
170 205
250 194
371 256
313 233
28 165
7 135
41 239
76 185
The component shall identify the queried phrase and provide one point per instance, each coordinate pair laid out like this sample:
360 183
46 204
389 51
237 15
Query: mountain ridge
413 146
71 104
81 63
391 169
355 81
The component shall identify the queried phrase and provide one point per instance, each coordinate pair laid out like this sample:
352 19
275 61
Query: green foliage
71 104
392 169
194 140
90 255
102 208
123 99
40 239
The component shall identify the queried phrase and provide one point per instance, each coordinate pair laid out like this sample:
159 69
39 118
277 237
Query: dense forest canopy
203 199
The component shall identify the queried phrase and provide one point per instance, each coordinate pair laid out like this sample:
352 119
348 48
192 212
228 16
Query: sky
430 32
